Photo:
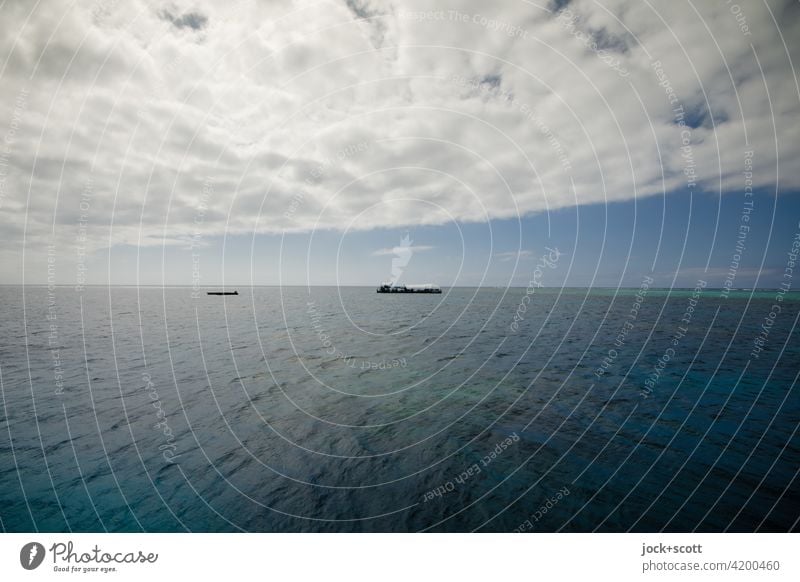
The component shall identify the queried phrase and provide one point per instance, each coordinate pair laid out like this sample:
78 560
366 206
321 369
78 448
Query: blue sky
681 236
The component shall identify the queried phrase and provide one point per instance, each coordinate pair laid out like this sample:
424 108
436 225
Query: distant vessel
223 293
427 288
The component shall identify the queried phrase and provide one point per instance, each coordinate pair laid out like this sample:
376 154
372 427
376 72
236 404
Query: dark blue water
328 409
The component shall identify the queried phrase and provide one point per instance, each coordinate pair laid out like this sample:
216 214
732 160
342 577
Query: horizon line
223 286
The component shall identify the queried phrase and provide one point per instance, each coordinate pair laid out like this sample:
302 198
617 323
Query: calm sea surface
339 409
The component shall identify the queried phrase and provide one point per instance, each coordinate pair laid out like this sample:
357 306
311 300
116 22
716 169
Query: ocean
332 409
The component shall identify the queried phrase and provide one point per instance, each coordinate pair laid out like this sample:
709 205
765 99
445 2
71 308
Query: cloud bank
125 123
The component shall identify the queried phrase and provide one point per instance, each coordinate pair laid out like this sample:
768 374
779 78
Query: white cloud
367 113
398 250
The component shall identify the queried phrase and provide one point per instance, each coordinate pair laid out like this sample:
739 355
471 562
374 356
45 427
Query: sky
350 142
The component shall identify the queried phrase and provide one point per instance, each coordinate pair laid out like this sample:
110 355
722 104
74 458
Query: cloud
507 256
398 250
364 114
193 20
360 9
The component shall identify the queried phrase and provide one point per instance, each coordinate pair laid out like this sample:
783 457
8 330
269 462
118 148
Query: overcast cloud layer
150 123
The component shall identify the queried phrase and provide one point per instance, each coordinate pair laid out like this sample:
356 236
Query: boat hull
409 289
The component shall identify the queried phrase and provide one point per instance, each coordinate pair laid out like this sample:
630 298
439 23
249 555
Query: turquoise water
340 409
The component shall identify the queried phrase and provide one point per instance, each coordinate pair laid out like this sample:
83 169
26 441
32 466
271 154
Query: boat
391 288
222 293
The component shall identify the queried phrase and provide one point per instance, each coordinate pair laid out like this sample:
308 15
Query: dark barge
427 288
